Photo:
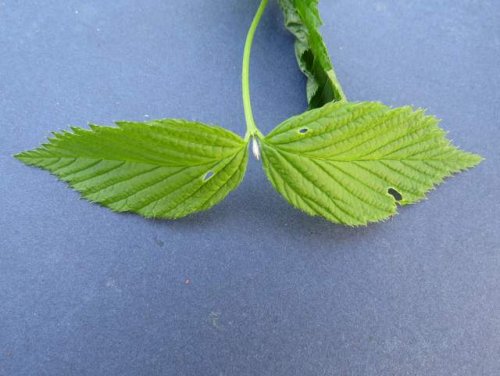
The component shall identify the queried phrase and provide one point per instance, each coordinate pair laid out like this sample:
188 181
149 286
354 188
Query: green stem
252 129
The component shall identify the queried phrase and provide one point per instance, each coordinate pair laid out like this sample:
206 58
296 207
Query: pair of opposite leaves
350 163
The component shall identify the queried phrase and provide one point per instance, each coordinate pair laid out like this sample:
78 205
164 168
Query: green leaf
160 169
302 19
352 162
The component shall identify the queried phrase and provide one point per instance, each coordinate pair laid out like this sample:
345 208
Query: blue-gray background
252 287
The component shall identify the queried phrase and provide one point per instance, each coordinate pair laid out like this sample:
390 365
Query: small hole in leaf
303 130
397 196
208 175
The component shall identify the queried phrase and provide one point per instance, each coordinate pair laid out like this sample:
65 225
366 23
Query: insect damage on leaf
302 19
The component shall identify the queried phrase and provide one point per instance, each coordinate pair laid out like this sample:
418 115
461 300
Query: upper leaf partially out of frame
352 162
303 20
160 169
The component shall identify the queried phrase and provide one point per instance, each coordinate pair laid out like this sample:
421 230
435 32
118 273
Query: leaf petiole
252 129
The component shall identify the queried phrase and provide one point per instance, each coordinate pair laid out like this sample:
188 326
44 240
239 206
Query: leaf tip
20 156
475 159
27 157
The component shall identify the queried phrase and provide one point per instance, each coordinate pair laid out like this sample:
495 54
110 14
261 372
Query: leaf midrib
152 163
305 155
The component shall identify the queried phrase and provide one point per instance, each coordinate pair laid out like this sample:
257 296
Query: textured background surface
252 287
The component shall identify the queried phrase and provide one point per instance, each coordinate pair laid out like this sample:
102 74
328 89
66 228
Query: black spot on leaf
397 196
